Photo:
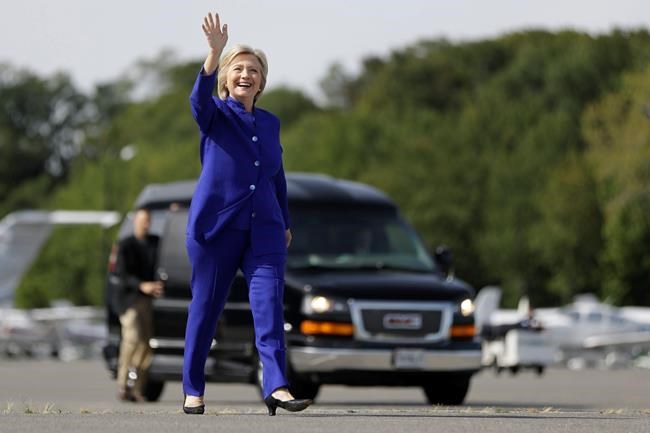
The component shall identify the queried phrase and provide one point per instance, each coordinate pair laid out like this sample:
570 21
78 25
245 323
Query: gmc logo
402 321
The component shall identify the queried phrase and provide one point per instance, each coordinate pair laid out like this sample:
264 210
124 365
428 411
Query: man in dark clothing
134 290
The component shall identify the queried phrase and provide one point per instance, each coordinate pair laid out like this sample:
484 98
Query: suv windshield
355 239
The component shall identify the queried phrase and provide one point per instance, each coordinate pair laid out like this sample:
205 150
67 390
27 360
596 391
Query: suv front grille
407 322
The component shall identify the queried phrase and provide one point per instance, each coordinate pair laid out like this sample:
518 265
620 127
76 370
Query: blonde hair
227 60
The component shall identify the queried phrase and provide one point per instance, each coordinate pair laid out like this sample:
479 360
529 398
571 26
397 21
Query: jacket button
256 163
252 187
255 138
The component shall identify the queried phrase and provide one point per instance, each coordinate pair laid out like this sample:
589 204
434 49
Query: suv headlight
317 304
467 307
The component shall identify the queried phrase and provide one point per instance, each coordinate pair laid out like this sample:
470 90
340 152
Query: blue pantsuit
217 267
237 219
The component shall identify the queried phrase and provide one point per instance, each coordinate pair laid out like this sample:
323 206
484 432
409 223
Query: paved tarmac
50 396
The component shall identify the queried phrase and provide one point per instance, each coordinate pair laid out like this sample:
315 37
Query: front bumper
326 360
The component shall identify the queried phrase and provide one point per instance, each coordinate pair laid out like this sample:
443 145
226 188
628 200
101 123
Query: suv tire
448 391
302 386
153 390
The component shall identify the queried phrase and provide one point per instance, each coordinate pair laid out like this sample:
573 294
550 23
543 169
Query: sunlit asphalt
47 396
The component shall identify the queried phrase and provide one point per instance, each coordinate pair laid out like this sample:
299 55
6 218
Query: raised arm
203 107
217 37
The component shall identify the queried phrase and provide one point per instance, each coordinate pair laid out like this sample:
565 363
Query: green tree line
527 154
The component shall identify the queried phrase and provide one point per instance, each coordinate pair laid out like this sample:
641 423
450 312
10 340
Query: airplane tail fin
486 302
523 307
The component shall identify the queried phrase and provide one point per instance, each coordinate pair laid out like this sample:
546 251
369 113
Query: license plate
408 358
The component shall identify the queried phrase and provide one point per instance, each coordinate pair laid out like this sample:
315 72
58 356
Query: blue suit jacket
242 183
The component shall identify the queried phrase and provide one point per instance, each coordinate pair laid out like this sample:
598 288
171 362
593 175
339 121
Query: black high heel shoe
294 405
193 410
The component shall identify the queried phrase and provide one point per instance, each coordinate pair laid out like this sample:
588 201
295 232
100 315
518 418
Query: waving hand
217 37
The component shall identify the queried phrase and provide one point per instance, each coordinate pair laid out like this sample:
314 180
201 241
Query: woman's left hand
288 237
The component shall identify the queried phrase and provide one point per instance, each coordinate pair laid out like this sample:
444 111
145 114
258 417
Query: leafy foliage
527 154
38 121
618 130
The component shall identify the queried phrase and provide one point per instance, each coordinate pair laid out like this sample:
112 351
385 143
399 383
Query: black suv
365 304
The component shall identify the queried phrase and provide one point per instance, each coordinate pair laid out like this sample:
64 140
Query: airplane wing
19 245
639 315
60 314
625 339
22 235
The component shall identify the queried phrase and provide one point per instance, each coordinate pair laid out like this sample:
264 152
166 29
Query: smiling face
244 78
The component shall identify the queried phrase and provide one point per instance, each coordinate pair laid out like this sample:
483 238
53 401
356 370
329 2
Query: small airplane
585 333
63 330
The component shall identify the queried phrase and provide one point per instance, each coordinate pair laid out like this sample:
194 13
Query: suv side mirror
445 259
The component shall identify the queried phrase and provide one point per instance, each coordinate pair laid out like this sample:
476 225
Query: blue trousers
214 267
